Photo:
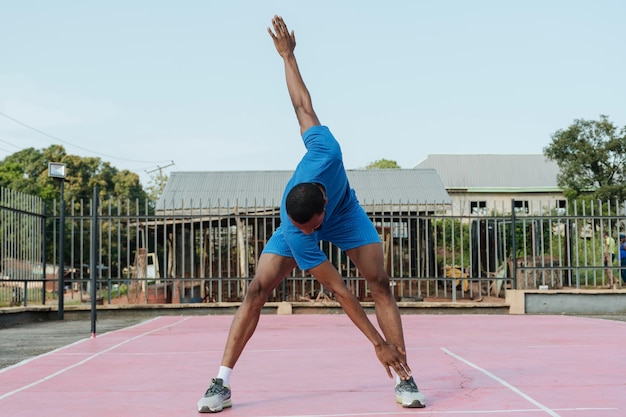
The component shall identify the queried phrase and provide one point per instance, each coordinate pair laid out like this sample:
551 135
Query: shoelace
408 386
214 389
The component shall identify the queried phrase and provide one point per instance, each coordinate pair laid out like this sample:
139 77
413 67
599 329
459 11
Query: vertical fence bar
514 244
93 258
44 249
61 253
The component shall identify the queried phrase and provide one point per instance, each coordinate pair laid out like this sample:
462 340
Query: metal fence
22 248
210 255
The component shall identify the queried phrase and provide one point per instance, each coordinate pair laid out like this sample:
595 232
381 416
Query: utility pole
161 177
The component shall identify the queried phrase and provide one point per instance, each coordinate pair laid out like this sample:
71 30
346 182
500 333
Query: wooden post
140 272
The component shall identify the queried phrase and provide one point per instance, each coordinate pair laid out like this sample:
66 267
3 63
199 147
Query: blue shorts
347 230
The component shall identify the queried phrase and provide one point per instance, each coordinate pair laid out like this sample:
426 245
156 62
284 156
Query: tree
156 185
27 171
383 164
591 156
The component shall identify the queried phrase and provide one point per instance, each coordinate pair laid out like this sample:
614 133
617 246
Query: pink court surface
322 366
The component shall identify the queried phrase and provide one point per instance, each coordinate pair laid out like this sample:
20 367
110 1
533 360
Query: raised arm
285 43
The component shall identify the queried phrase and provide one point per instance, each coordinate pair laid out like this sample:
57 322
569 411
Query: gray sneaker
408 395
216 398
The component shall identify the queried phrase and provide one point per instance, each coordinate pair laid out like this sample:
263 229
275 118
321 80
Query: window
478 207
521 206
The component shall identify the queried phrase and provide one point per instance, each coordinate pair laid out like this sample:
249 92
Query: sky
196 85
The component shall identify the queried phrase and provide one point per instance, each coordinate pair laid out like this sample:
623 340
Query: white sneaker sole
206 409
415 404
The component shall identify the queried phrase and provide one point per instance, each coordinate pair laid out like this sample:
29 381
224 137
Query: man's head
305 206
622 236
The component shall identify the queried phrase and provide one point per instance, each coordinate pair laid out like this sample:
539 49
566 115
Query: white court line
425 411
503 382
95 355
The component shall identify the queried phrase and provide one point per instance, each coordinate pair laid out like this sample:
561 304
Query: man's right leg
272 269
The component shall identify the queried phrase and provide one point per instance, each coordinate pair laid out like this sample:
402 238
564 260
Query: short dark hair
304 201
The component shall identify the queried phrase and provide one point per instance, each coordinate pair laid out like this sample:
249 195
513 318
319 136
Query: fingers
402 370
280 28
284 41
405 373
279 24
401 367
277 28
393 358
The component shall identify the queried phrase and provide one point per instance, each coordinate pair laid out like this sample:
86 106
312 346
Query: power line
12 144
41 132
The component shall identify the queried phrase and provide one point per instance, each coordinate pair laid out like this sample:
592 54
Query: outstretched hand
394 357
284 41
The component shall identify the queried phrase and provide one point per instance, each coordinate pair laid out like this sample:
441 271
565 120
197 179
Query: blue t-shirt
321 164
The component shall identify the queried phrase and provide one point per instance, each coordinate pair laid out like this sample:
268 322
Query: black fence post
43 258
513 244
93 259
61 252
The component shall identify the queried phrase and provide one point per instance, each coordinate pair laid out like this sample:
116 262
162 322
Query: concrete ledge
569 301
35 308
19 315
10 316
284 308
406 307
574 301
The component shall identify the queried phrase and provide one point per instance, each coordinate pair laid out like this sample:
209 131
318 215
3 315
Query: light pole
57 170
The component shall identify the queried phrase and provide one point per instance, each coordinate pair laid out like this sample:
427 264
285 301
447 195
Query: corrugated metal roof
512 172
413 186
210 189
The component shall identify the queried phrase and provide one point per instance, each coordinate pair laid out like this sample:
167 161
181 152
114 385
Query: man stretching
318 204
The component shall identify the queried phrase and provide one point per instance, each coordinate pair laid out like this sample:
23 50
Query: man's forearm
355 312
329 277
299 94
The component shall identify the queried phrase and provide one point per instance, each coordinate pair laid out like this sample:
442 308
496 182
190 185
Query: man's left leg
370 262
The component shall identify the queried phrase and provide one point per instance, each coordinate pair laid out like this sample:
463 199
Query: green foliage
454 237
383 164
119 290
155 186
532 238
15 296
591 155
27 171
